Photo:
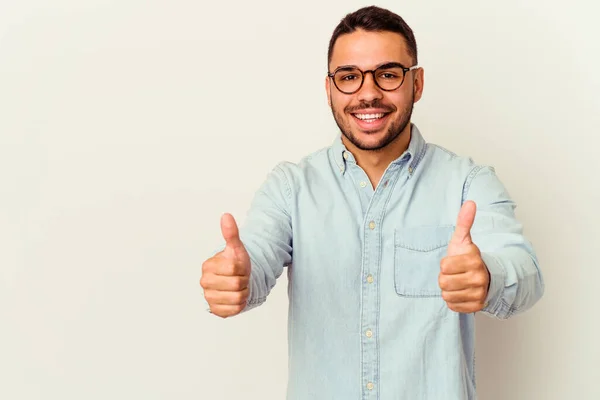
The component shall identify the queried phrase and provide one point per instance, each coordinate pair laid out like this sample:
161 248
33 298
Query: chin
368 141
371 136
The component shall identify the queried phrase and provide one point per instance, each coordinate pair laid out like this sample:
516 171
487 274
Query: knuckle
239 284
204 281
229 268
208 264
480 280
444 265
222 314
237 298
443 282
474 262
209 296
481 293
446 295
208 280
240 308
241 269
235 269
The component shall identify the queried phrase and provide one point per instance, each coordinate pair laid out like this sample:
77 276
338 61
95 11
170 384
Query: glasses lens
389 78
348 80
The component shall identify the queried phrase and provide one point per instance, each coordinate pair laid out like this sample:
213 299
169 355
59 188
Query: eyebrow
383 64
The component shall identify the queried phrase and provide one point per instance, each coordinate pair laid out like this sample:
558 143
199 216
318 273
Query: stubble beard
395 129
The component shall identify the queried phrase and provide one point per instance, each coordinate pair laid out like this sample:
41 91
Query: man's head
372 109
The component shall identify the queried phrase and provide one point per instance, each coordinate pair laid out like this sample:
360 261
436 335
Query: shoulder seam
445 150
474 171
288 189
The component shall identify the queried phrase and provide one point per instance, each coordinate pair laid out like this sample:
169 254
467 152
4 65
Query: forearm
516 282
266 269
266 235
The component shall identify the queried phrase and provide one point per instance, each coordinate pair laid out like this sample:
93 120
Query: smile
369 117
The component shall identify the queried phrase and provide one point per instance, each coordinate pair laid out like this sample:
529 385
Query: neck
375 162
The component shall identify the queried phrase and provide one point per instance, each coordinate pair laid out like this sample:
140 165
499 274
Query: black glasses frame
372 71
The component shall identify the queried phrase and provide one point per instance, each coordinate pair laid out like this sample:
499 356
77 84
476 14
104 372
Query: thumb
231 234
464 223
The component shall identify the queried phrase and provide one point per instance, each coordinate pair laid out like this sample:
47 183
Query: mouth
370 121
369 117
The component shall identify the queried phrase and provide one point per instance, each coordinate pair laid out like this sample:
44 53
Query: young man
392 244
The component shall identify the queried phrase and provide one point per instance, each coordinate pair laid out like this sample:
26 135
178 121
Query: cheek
402 102
339 103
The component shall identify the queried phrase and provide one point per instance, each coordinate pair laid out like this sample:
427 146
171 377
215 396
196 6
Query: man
391 244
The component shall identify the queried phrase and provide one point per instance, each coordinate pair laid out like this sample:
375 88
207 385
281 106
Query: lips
369 117
370 120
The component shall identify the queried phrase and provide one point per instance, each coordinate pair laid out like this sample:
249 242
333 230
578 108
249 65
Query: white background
128 127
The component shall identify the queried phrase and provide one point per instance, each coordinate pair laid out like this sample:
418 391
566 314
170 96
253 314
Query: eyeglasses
387 77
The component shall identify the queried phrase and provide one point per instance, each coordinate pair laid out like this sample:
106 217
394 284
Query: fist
464 278
226 276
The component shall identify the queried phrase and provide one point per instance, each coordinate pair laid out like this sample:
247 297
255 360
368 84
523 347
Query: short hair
374 19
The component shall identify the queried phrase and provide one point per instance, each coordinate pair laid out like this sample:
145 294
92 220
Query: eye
348 77
388 75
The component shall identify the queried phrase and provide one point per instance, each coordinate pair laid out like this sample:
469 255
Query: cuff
254 299
497 278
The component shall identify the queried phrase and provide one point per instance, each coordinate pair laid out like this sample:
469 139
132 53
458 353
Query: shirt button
410 170
372 225
370 278
370 386
345 155
369 333
363 184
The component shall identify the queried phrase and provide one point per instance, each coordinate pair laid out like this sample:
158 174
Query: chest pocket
418 252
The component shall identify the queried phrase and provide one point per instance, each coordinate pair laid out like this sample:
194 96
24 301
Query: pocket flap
418 253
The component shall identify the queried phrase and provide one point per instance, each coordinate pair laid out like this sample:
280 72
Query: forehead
369 49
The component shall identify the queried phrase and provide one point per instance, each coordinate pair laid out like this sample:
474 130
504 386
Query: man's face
373 118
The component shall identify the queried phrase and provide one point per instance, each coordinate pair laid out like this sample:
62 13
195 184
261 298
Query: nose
369 90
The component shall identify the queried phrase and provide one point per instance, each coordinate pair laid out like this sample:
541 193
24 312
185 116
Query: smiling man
391 244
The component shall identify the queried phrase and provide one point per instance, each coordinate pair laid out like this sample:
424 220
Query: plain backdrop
128 127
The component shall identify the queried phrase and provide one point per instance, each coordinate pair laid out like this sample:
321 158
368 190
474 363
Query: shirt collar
413 155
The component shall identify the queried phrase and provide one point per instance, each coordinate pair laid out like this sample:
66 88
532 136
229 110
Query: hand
226 276
464 278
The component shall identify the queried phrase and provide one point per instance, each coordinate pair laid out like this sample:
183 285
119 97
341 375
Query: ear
418 83
328 90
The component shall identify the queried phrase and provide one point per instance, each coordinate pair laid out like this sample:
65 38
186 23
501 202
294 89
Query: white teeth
369 116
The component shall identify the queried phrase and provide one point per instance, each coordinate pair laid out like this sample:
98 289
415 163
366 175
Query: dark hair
374 19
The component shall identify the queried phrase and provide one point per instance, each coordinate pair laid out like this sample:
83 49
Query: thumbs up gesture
464 278
226 276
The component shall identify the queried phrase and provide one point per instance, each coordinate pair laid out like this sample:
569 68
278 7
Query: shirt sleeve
516 281
267 236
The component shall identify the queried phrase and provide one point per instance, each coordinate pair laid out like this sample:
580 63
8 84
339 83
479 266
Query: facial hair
396 127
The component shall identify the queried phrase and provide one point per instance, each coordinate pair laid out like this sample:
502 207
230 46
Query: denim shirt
366 317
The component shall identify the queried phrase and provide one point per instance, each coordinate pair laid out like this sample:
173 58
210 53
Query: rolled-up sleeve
516 279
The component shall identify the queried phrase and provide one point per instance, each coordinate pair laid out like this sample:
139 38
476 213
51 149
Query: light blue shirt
366 317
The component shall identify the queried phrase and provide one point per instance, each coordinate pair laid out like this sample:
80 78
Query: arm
516 281
266 235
